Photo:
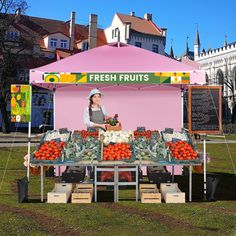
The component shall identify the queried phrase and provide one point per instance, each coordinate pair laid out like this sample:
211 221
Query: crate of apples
181 150
50 150
116 152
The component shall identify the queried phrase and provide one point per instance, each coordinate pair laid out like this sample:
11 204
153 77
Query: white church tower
197 46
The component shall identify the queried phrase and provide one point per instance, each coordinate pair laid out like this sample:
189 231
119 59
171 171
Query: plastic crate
171 193
61 193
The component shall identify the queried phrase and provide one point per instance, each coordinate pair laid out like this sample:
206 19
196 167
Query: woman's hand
103 126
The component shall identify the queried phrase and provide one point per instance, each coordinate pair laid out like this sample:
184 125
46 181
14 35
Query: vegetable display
80 149
181 150
149 149
146 134
63 136
175 135
50 150
118 151
86 134
116 137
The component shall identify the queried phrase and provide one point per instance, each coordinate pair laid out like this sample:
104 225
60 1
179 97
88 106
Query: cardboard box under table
61 193
149 193
83 193
171 193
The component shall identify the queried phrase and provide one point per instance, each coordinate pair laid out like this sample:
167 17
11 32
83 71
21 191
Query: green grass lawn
123 218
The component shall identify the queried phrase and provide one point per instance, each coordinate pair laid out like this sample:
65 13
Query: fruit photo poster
20 103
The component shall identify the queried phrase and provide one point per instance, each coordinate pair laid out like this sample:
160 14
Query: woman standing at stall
95 114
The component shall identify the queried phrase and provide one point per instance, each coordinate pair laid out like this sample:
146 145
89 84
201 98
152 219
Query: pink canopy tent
154 106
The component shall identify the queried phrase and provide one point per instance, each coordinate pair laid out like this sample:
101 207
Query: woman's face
96 99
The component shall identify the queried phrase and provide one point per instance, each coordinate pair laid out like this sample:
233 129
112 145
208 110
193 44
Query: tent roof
111 58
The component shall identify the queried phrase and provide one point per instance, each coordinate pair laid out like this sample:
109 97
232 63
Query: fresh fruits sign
20 103
120 78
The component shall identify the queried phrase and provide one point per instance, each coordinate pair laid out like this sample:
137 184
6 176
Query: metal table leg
116 187
136 180
190 183
173 174
42 175
59 171
95 183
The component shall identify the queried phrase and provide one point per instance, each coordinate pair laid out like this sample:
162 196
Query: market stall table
115 168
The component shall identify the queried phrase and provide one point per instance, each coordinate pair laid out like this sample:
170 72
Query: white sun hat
94 91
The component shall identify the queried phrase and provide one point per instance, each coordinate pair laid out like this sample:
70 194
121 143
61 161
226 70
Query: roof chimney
148 16
72 30
18 15
127 30
93 21
164 31
132 13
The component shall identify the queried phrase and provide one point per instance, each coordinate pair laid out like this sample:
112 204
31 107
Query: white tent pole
29 136
204 166
182 106
54 106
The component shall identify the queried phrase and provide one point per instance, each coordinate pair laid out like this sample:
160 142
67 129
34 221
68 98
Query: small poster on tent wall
20 103
205 109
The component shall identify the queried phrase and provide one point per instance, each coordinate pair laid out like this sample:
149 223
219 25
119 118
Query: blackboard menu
205 109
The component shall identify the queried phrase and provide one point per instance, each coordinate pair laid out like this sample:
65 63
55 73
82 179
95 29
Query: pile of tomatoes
181 150
118 151
50 150
146 134
86 134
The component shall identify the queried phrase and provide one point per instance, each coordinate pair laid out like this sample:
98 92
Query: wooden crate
83 193
149 193
61 193
114 128
147 187
171 193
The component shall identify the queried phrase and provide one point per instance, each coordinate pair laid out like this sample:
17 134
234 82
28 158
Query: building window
155 48
12 35
53 42
113 34
138 44
63 43
84 46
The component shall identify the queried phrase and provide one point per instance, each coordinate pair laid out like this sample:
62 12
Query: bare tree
11 52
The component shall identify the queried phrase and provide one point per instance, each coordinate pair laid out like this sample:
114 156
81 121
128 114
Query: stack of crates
149 193
83 193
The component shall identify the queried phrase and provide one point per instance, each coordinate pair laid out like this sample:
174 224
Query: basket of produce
112 123
183 152
61 135
49 152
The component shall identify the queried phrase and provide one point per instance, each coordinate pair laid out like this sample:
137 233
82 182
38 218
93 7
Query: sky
215 19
